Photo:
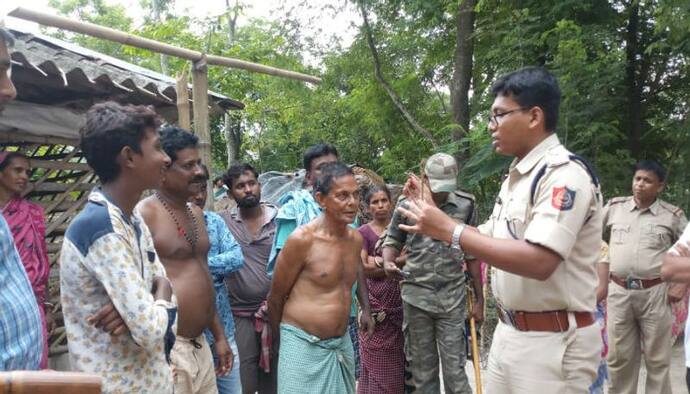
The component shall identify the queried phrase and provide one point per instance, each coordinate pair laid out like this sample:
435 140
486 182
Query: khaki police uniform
639 316
561 212
434 303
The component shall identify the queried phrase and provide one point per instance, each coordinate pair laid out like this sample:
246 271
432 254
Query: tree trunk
462 72
633 82
232 124
388 88
233 13
233 137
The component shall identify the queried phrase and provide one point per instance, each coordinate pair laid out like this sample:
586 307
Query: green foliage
582 42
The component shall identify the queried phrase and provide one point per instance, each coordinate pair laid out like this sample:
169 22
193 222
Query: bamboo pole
152 45
201 124
182 101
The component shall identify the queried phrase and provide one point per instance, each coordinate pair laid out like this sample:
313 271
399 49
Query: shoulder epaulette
618 200
558 159
676 211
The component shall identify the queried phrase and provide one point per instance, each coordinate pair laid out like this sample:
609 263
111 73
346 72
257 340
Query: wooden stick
81 185
152 45
475 347
48 174
201 126
66 215
59 165
24 136
182 101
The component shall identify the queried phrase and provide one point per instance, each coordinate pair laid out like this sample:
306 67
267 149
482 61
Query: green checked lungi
309 364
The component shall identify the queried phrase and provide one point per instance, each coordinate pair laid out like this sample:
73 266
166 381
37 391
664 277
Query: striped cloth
21 337
261 325
308 364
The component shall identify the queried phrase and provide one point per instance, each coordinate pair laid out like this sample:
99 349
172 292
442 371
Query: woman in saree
27 223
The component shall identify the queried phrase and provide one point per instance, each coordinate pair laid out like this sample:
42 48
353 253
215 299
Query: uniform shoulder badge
618 200
676 211
562 198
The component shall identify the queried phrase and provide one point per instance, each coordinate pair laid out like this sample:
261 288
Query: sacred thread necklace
192 239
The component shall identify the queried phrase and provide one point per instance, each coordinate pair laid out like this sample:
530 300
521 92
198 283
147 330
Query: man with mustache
252 223
182 243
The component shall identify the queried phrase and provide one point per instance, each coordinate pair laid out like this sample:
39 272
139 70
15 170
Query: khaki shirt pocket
516 219
656 236
620 233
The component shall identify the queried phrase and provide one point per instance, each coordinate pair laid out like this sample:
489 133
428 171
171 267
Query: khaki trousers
639 322
193 363
528 362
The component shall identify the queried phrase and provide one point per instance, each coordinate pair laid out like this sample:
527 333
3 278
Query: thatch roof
58 81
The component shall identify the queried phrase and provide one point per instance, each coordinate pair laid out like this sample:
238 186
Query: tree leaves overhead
585 43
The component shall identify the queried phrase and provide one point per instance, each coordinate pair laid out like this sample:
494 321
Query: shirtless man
311 292
181 241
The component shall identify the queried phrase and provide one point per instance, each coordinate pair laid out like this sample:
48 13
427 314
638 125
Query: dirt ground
677 372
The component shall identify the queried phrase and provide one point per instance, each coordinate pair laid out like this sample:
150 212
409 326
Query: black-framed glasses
493 119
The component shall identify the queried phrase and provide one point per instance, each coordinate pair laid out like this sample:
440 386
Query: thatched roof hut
56 83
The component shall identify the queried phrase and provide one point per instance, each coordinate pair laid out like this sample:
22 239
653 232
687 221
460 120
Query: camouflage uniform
434 304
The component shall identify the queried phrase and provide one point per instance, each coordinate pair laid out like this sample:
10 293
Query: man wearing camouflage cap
433 286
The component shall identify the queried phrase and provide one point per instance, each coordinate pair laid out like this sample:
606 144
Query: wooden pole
201 124
107 33
182 101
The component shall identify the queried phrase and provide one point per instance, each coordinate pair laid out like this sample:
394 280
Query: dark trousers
253 378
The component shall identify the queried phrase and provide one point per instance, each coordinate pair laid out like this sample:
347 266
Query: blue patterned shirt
224 258
20 323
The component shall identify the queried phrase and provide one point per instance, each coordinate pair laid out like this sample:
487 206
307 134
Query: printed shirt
21 342
106 257
224 258
437 281
639 238
564 216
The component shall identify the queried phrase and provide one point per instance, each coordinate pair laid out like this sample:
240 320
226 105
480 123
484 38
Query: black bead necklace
194 238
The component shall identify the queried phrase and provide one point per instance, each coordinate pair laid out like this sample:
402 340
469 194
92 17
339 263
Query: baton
475 348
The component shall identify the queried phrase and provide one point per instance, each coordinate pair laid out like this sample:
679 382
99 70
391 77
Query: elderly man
311 292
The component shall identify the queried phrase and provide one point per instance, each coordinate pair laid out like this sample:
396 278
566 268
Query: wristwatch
455 238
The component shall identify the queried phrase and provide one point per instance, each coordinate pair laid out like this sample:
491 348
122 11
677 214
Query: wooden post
182 101
107 33
201 124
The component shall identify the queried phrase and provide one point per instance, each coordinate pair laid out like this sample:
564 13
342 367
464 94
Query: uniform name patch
563 198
